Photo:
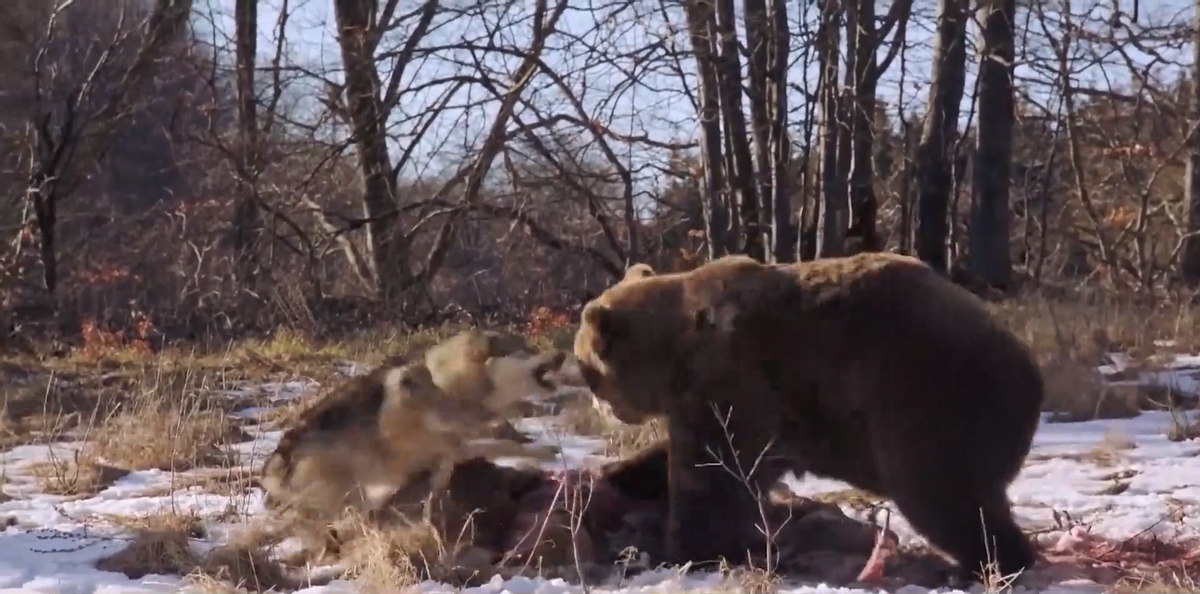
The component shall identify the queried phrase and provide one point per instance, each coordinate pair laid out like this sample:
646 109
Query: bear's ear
607 324
638 271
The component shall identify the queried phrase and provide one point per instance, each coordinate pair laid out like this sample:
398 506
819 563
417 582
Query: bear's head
639 339
627 342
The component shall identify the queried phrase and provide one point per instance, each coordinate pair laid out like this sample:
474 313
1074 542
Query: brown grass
581 418
1077 392
1157 583
1070 340
240 567
626 440
396 557
391 559
749 580
387 558
78 476
854 498
161 544
165 437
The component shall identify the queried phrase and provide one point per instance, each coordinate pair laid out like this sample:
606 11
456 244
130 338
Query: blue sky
657 108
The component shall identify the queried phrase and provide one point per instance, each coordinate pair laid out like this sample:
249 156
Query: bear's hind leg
953 522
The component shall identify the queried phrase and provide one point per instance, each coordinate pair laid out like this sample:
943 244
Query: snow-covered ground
1087 470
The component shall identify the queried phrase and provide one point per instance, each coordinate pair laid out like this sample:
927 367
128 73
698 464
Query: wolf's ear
406 381
416 376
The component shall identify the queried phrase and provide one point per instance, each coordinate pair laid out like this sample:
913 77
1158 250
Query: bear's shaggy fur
870 369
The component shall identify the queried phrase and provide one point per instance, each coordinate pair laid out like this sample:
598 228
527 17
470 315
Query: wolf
378 432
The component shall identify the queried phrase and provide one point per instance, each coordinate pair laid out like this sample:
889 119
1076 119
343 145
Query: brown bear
871 369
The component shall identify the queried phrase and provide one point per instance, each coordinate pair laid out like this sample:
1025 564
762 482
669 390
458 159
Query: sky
656 107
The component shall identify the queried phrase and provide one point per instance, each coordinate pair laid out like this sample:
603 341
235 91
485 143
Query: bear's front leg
713 511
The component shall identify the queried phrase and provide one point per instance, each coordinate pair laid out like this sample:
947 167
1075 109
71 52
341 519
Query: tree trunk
989 251
246 221
356 36
784 234
1190 255
716 216
934 152
742 175
832 224
767 38
864 207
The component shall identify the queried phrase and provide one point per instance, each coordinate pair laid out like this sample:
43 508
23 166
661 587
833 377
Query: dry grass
383 560
395 558
627 440
580 417
857 499
165 437
244 566
1071 339
1077 392
168 439
749 580
161 544
1183 427
44 395
1158 583
79 476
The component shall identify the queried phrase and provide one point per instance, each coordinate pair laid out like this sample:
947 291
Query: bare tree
833 218
360 27
66 114
358 34
246 220
701 20
767 35
934 152
746 171
739 159
990 252
1190 256
489 160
